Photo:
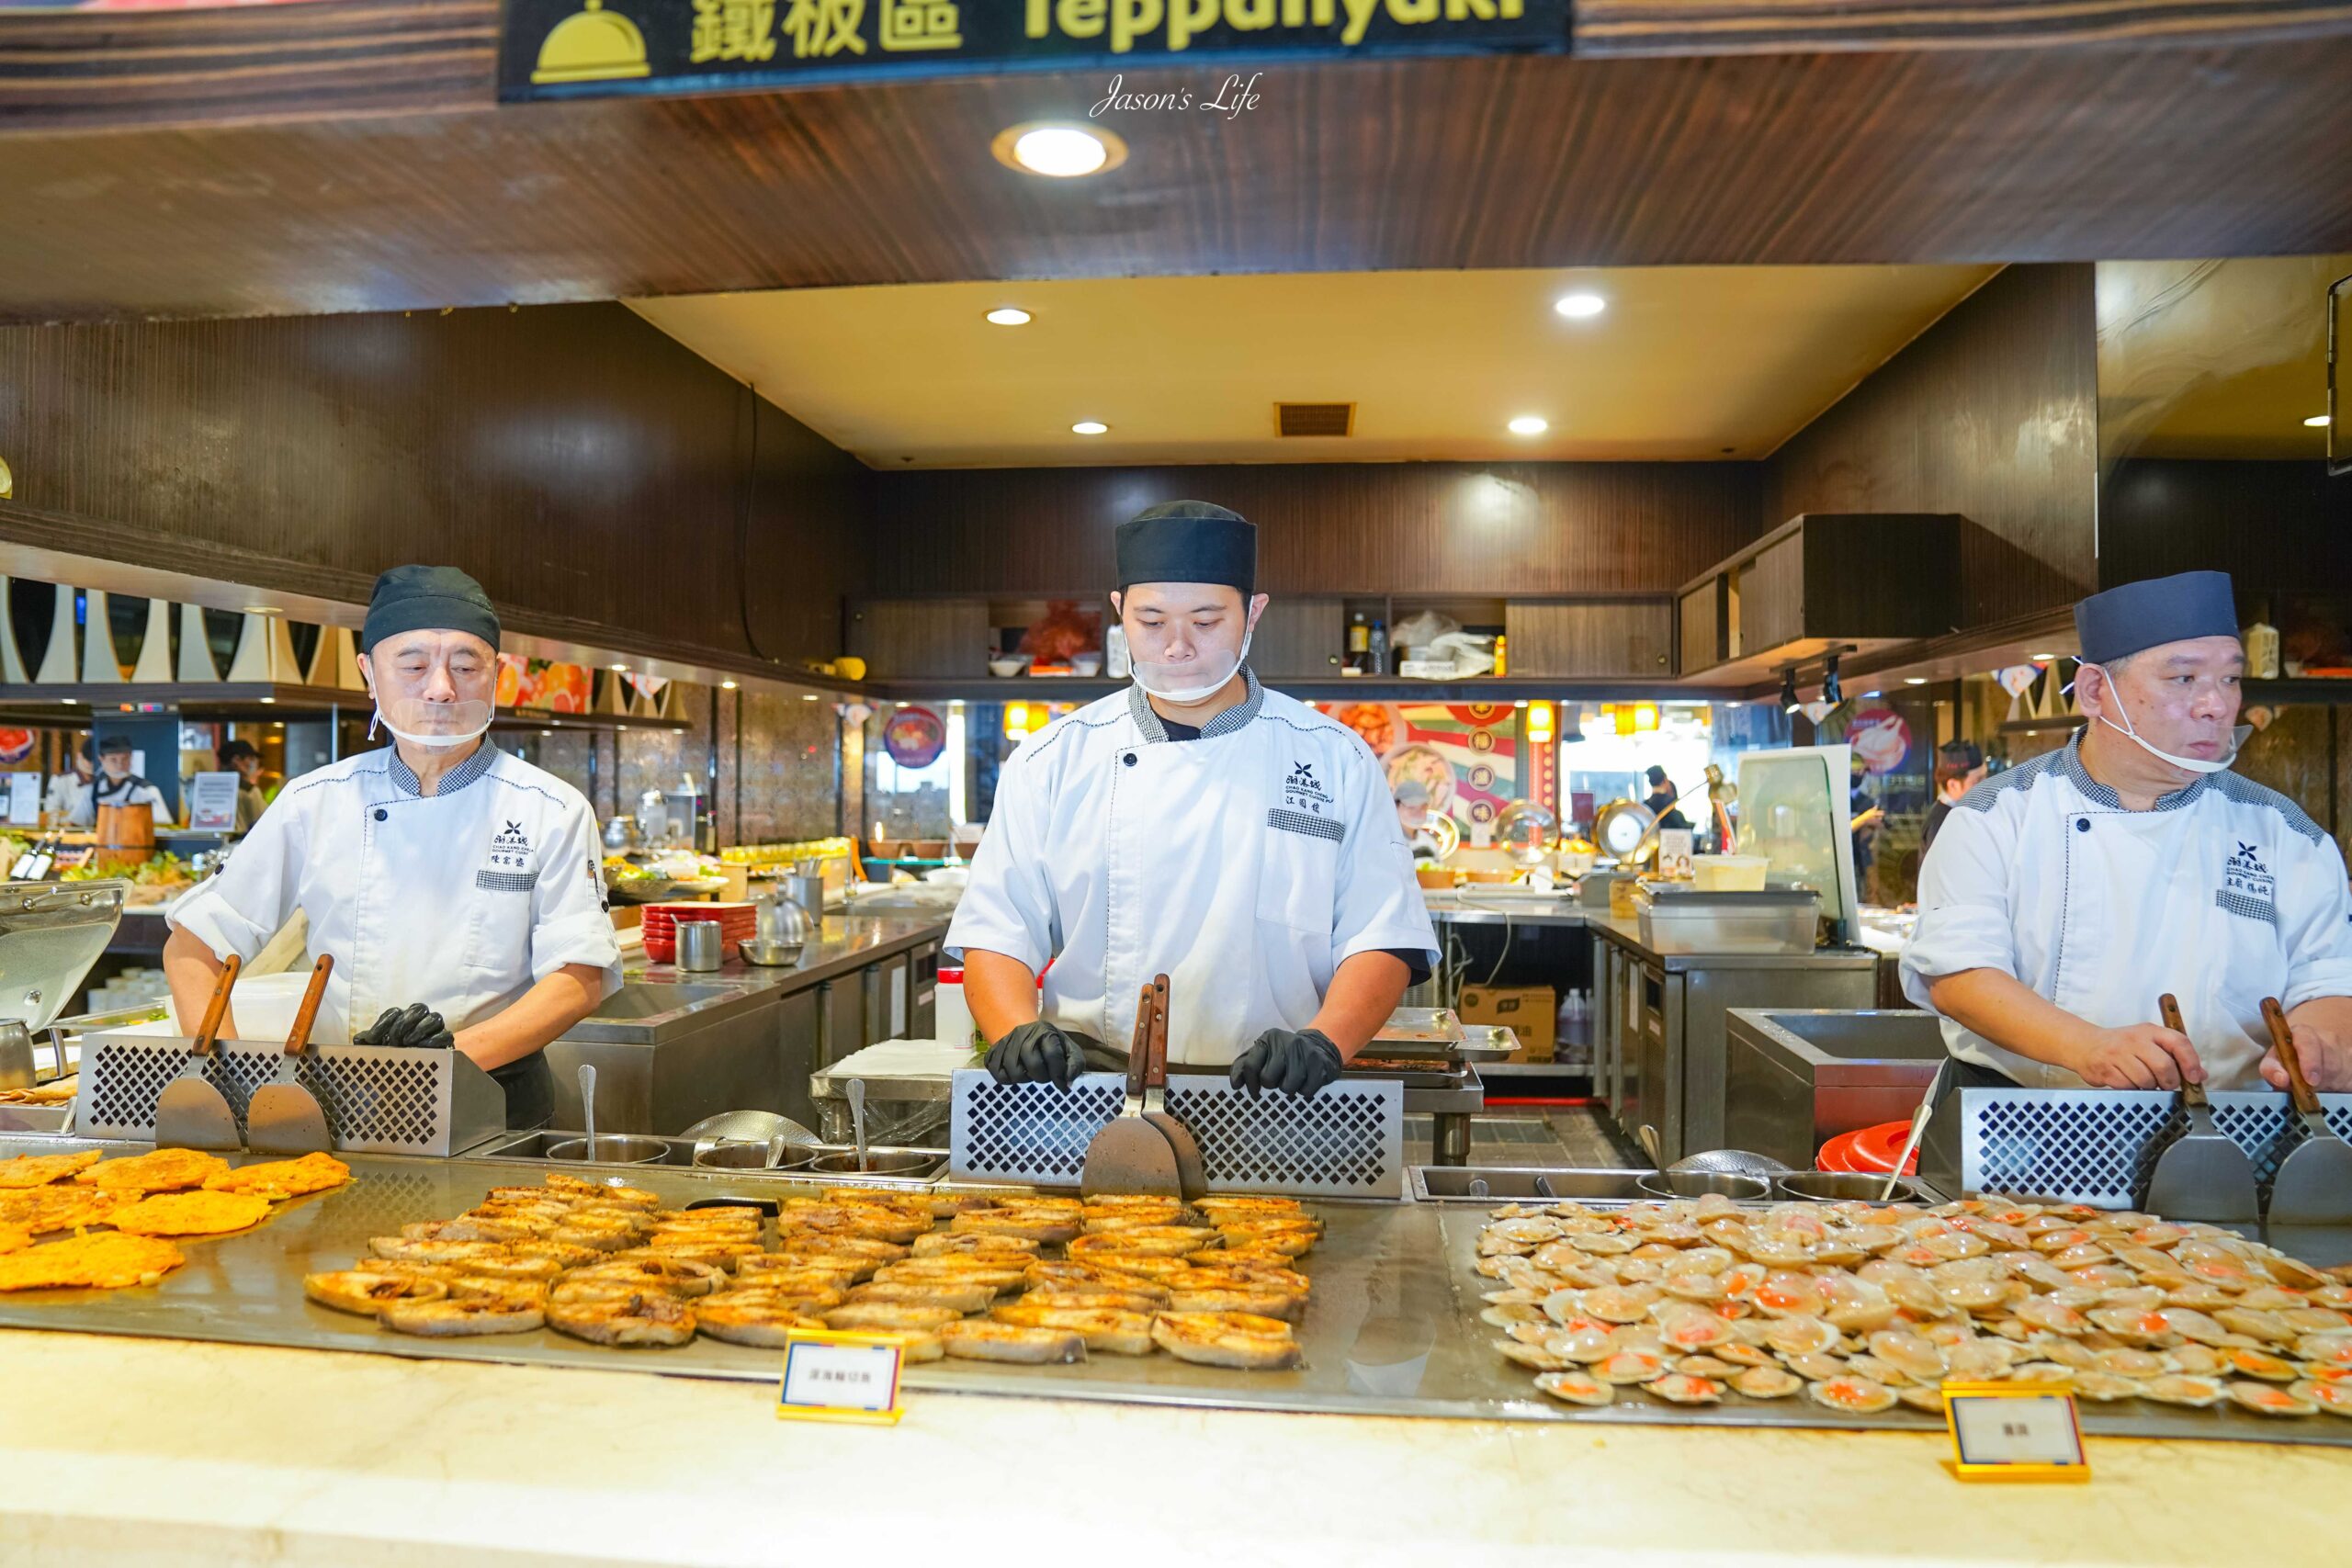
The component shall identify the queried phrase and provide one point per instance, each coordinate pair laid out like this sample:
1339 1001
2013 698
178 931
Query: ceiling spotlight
1090 427
1530 425
1833 690
620 668
1577 307
727 685
808 696
2317 422
1914 680
1058 151
1007 316
269 699
1789 703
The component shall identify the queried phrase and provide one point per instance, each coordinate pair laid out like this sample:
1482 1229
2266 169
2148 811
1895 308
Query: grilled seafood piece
1682 1388
1767 1383
1029 1224
987 1241
1576 1387
1240 1340
39 1170
1107 1330
932 1293
278 1180
463 1316
670 1276
1091 1276
64 1207
406 1250
1004 1282
366 1292
650 1318
1144 1241
1257 1300
109 1261
803 1271
886 1317
764 1318
987 1341
1856 1395
192 1214
2267 1399
723 1255
161 1170
1081 1298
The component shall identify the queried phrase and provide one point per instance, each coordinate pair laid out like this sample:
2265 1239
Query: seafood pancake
462 1316
61 1208
367 1292
1241 1340
107 1260
646 1318
164 1170
39 1170
1008 1342
278 1180
192 1214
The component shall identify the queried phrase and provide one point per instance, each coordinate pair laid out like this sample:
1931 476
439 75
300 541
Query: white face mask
437 726
1155 678
2188 764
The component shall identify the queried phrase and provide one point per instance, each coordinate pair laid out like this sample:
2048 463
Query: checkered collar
2099 794
404 777
1235 717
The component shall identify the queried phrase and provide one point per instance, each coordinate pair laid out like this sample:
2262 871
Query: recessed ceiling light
1007 316
2043 658
1577 307
272 609
546 732
622 668
269 699
1914 680
1058 151
1530 425
1090 427
808 696
727 685
2317 422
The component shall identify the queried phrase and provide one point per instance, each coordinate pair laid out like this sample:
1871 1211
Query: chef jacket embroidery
2247 887
512 866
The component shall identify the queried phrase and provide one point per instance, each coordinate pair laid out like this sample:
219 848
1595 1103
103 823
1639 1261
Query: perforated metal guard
2098 1146
377 1099
1346 1141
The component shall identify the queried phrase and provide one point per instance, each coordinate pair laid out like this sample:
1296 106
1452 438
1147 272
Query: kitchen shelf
79 706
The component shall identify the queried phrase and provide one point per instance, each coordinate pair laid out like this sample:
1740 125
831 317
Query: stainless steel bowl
611 1148
770 954
737 1155
1700 1183
878 1162
1838 1187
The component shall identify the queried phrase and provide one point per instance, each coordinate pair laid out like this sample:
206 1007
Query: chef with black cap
2064 895
1199 825
458 888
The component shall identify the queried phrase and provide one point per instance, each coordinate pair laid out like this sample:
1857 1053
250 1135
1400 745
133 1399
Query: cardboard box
1530 1011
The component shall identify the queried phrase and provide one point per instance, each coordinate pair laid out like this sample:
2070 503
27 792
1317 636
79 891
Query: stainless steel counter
1391 1329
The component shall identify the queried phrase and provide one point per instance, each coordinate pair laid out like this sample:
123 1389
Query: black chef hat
1189 541
2140 616
115 746
427 598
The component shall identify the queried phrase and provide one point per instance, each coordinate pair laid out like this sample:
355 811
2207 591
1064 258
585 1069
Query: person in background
240 756
1663 800
65 790
1960 767
1413 816
116 785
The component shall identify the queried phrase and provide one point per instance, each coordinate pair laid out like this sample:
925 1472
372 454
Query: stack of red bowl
737 922
1869 1151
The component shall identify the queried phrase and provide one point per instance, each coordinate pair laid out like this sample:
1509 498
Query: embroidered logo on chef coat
2248 888
1302 792
512 865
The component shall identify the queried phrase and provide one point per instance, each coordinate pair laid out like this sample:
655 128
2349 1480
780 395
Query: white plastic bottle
950 1014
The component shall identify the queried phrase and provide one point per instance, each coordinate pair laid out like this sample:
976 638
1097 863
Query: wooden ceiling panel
1944 156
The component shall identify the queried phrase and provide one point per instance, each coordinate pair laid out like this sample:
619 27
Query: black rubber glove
415 1025
1037 1052
1293 1061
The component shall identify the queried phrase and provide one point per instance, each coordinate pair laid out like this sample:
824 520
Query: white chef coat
463 899
131 790
1245 865
2225 894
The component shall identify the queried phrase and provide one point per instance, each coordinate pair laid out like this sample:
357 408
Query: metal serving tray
530 1148
1506 1184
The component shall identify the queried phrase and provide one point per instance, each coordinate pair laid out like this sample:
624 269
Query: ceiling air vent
1314 419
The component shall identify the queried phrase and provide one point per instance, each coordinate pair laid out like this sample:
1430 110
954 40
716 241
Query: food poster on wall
545 686
1464 754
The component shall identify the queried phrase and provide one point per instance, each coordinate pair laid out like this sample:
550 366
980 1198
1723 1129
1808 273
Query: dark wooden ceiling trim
1627 28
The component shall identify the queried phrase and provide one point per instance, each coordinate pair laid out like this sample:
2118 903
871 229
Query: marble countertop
135 1451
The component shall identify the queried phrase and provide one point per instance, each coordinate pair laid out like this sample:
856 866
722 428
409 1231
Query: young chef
116 785
1197 826
2064 895
458 888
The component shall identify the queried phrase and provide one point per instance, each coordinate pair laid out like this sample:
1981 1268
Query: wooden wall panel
595 476
1408 529
2274 526
1635 639
1991 414
345 161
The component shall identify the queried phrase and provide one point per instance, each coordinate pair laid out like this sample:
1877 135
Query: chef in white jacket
2063 896
1196 825
458 888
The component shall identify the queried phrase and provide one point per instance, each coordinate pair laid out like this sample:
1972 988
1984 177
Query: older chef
1196 825
458 887
2064 895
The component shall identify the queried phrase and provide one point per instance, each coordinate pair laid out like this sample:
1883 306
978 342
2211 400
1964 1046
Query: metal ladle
588 1105
856 1092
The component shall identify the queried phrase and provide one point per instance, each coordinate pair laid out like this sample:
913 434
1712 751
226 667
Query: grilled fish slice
408 1251
755 1317
980 1242
1144 1241
1038 1225
670 1276
1093 1277
1104 1329
1262 1302
1082 1298
367 1292
469 1227
1241 1340
462 1316
713 1213
723 1255
957 1298
1003 1282
791 1271
650 1318
515 1265
893 1225
977 1341
887 1317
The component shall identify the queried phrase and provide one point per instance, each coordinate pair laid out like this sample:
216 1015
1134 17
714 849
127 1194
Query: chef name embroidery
1301 792
2245 875
510 849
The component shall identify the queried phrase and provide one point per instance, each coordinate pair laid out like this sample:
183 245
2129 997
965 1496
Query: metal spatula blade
191 1113
2202 1176
283 1117
2315 1184
1191 1177
1131 1154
